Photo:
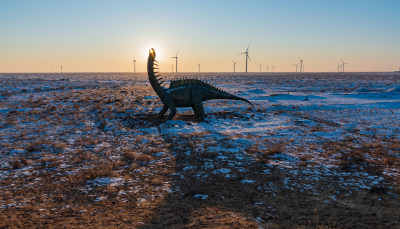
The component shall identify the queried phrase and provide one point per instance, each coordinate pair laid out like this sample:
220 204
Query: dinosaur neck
154 81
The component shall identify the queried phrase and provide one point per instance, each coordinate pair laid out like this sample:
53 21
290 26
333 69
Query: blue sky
103 36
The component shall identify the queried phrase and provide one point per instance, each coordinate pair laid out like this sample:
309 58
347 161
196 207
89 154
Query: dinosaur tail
225 95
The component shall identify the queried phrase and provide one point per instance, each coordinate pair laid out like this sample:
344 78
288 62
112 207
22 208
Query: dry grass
130 157
100 170
160 174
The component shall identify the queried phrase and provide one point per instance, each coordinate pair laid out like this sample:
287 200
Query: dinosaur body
183 92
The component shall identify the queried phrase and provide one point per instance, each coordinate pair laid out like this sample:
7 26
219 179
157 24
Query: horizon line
257 72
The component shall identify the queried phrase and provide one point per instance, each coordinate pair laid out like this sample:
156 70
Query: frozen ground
318 149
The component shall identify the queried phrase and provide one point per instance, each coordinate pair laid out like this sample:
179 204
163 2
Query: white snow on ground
301 115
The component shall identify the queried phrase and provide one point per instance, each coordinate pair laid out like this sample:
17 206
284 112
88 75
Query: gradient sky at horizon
103 36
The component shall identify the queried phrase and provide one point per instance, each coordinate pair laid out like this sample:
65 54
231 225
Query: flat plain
318 150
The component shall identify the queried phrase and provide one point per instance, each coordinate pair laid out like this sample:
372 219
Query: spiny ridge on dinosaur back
183 82
183 92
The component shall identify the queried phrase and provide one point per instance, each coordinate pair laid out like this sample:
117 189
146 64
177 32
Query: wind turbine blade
177 53
241 53
248 47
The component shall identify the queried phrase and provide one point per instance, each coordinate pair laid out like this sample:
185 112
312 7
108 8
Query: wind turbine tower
338 67
61 68
134 64
260 67
296 66
234 65
343 63
199 66
247 55
301 65
176 62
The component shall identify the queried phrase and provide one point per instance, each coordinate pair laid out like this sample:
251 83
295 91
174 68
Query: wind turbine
343 63
267 68
301 65
273 68
260 67
234 65
134 64
61 68
176 62
199 66
247 55
338 67
296 66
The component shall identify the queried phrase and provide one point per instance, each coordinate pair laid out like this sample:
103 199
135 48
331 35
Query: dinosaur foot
198 119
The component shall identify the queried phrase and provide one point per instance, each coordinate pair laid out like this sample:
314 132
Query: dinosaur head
152 54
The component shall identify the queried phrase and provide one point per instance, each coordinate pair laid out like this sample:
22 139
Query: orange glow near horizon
42 36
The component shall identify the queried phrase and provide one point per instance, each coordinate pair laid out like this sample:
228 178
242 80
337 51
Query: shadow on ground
202 198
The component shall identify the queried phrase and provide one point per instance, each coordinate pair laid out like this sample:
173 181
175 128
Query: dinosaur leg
196 113
199 111
197 105
162 112
172 109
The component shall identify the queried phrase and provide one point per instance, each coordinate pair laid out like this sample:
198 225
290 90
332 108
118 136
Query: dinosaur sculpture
183 92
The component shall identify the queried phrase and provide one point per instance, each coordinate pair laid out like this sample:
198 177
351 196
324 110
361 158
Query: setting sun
156 49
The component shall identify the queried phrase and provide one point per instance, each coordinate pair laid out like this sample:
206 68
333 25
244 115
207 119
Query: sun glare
156 49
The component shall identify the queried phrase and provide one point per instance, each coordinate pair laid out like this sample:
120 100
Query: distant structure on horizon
176 62
247 55
260 66
61 68
301 65
134 64
296 66
343 63
234 66
199 66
